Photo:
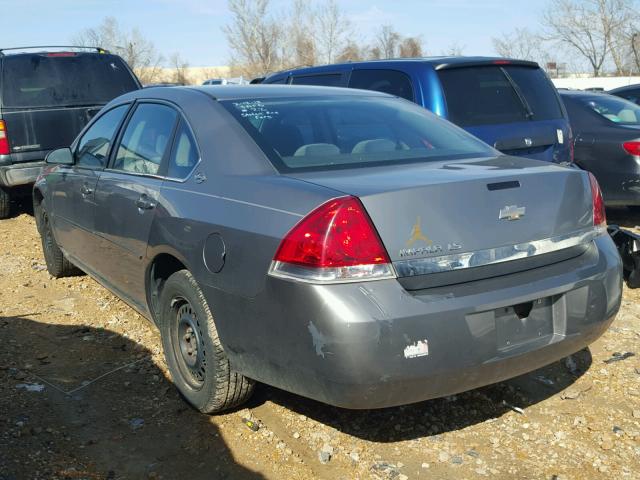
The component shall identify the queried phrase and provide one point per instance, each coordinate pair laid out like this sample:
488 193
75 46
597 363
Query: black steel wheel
195 356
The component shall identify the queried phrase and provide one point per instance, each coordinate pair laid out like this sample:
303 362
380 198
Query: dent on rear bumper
363 345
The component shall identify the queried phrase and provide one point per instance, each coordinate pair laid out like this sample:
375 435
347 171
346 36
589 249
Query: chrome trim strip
491 256
328 275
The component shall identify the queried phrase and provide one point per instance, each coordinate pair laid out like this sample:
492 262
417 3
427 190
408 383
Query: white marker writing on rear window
418 349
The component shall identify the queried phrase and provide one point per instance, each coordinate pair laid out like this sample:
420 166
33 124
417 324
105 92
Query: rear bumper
365 345
20 173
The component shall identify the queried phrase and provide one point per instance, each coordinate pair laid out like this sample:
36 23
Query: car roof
235 92
40 50
438 63
624 88
582 93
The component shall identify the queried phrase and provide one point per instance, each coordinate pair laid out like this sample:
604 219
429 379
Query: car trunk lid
471 206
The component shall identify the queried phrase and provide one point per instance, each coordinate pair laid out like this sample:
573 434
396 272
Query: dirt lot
84 393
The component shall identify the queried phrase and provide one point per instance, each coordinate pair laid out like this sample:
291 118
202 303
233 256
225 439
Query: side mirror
61 156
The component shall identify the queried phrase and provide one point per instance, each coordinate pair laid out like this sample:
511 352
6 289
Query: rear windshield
615 109
489 95
47 80
321 133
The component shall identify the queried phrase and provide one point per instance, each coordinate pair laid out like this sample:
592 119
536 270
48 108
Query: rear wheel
194 353
57 264
5 204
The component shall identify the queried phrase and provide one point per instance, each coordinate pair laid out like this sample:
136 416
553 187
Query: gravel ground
84 393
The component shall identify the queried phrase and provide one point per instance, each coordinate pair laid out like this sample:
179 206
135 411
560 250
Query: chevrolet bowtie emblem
417 235
511 212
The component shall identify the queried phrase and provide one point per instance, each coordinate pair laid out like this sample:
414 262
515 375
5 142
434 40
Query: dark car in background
47 95
383 256
607 142
628 92
509 104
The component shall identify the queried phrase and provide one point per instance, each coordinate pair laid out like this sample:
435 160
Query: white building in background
605 83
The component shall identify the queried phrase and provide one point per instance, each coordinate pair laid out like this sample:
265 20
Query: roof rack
76 47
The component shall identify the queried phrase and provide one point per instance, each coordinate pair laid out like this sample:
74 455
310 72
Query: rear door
127 195
48 98
72 188
514 108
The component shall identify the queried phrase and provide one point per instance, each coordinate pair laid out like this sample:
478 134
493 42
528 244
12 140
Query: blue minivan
510 104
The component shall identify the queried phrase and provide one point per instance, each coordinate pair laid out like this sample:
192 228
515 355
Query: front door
73 187
127 194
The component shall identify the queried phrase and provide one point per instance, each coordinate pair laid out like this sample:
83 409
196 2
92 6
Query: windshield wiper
523 101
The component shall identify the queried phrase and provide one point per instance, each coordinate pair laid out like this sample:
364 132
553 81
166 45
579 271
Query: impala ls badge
511 212
528 142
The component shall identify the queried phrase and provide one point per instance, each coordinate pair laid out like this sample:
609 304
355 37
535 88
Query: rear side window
56 80
145 139
327 80
184 155
491 95
387 81
325 133
93 147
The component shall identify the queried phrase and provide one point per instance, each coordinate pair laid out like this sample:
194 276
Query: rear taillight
4 139
335 243
599 216
632 148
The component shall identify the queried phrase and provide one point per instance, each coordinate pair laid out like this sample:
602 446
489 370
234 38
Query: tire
202 374
5 203
57 264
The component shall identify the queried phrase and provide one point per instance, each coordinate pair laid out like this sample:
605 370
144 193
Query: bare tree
454 49
411 47
139 52
255 38
520 43
180 69
351 52
302 27
333 30
589 28
388 41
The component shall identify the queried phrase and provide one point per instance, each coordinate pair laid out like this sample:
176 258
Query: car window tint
323 133
145 139
614 109
631 95
387 81
327 80
54 79
538 91
93 147
279 81
184 154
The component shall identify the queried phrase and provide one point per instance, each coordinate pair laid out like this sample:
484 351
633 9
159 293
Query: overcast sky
193 27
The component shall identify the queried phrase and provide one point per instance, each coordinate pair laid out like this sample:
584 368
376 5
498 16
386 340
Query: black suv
47 95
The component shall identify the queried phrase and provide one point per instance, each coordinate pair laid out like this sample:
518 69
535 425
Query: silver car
344 245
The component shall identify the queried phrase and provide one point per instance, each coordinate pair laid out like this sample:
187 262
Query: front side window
392 82
184 155
93 147
327 80
323 133
145 139
614 109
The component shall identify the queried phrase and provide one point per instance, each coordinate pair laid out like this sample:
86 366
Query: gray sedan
344 245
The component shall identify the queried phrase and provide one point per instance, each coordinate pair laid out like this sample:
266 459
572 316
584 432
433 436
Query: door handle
84 190
145 203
